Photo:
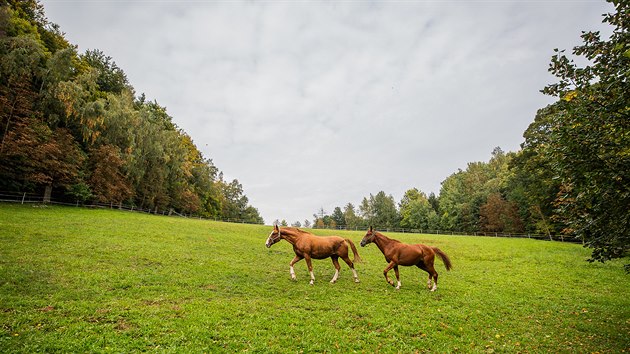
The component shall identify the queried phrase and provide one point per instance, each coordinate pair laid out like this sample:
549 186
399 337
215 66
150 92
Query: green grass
78 280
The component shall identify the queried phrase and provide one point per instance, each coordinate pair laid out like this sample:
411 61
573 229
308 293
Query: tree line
72 123
571 175
480 198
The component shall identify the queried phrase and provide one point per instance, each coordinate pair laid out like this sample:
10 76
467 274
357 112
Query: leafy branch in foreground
588 142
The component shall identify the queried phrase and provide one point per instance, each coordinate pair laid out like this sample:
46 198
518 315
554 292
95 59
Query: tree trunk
47 193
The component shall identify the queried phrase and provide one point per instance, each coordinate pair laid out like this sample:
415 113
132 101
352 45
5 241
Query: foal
308 246
397 253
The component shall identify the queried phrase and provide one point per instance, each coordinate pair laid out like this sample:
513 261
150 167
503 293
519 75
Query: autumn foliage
72 122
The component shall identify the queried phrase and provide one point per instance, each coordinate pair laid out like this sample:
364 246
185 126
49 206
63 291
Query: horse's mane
389 238
294 229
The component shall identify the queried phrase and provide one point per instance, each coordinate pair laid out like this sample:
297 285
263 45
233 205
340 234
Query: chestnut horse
397 253
309 246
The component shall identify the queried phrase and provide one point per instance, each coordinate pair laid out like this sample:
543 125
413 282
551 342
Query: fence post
23 197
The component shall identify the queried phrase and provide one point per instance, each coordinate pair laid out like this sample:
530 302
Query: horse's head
369 237
274 236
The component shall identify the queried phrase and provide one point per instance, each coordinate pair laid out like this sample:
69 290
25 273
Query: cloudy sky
317 104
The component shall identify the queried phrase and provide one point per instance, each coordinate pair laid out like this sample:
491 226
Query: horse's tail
356 259
445 259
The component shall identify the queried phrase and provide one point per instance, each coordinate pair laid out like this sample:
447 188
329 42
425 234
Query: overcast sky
318 104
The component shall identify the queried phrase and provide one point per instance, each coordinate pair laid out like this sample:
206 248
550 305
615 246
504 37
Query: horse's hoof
357 281
333 281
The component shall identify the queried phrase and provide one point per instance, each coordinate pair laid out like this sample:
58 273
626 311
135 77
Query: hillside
82 280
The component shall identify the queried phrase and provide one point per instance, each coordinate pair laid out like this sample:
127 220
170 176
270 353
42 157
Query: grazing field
79 280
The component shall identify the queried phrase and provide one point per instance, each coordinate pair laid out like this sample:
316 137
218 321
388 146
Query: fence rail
38 198
561 238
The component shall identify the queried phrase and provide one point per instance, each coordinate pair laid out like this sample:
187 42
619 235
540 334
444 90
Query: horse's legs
431 269
423 267
397 277
293 261
351 265
432 274
387 269
307 258
426 264
335 260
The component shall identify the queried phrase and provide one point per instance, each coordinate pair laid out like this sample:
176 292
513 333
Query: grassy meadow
81 280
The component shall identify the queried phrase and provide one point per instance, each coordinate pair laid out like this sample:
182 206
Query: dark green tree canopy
588 137
70 122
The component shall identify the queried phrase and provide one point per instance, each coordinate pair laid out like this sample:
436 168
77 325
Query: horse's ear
275 226
370 228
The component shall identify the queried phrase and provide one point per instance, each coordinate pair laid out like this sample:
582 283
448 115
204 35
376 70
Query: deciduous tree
107 180
589 139
416 211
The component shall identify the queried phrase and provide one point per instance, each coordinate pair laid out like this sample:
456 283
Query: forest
73 127
486 197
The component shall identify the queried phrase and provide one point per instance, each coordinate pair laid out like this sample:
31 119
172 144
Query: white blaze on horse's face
274 237
270 240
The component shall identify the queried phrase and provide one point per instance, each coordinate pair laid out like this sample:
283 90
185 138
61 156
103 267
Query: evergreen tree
338 217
